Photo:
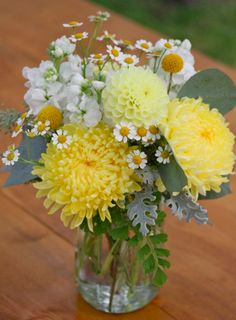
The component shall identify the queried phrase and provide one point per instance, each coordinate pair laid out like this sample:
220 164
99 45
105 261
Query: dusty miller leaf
148 174
139 212
184 207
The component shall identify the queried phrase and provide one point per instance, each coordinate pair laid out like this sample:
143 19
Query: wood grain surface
36 251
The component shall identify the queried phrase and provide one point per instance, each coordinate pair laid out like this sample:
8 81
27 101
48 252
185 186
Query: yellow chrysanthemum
87 177
52 114
201 142
135 95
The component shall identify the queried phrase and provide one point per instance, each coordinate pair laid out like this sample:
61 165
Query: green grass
210 26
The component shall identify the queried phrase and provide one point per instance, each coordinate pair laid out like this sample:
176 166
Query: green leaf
120 233
159 278
149 264
159 238
99 226
30 149
225 189
172 176
163 263
133 242
214 87
160 252
141 254
160 218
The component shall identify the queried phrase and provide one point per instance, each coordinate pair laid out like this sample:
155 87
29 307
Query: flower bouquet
112 137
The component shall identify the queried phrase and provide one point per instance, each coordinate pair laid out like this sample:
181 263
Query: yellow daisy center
165 154
52 114
98 56
24 115
168 45
10 156
99 62
73 23
115 52
142 131
172 63
41 127
78 35
137 159
156 53
61 139
153 129
145 45
124 131
129 60
127 42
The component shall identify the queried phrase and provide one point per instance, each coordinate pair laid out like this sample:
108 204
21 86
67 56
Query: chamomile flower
124 131
100 16
143 45
98 58
137 159
164 44
79 36
41 128
30 133
17 129
61 139
126 44
142 134
72 24
114 52
154 132
11 156
163 154
107 36
128 60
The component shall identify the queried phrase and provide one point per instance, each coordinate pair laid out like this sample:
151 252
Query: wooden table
36 251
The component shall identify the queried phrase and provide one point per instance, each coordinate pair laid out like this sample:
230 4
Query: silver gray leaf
184 207
148 174
141 213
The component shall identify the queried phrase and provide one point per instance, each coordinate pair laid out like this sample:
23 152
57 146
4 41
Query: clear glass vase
109 276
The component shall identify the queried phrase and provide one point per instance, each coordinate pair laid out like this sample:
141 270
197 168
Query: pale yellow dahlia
201 143
135 95
85 178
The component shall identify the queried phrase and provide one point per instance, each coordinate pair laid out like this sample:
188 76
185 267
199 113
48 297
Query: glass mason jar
109 276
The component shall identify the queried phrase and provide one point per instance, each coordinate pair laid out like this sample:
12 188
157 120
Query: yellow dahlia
87 177
135 95
201 142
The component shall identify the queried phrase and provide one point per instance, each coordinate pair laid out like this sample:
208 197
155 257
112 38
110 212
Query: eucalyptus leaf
214 87
172 175
30 149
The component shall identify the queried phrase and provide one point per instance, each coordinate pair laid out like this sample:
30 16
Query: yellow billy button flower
172 63
52 114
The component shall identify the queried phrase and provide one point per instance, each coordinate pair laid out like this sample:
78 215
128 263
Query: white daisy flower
61 139
107 36
98 58
126 44
142 134
163 155
72 24
100 16
11 156
41 128
164 44
18 129
30 133
128 60
137 159
143 45
154 132
124 131
114 52
79 36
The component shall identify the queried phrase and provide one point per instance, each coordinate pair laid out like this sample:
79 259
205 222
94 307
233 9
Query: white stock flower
90 110
61 47
69 68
